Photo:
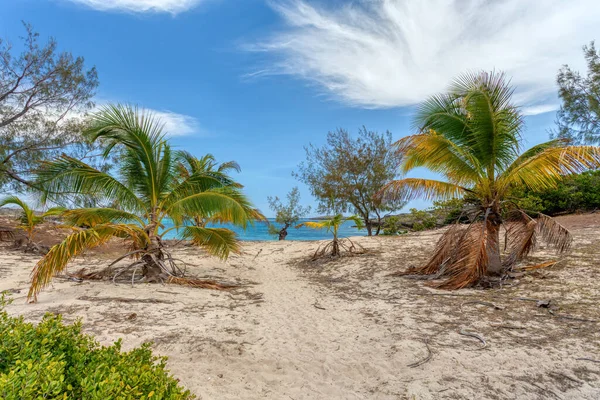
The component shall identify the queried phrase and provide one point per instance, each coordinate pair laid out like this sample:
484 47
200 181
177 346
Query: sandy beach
344 329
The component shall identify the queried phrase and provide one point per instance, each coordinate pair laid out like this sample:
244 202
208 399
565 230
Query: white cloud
166 6
174 124
177 124
390 53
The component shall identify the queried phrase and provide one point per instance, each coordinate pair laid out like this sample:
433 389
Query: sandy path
344 330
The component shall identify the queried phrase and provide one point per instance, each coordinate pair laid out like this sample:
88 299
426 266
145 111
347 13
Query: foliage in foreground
472 136
51 360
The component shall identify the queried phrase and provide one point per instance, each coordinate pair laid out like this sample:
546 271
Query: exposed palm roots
157 266
336 247
465 254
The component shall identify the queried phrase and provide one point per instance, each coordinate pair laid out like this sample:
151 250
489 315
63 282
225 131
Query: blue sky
255 81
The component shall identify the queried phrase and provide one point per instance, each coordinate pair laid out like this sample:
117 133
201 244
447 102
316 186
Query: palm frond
438 154
57 259
219 242
66 176
412 188
553 233
93 216
548 166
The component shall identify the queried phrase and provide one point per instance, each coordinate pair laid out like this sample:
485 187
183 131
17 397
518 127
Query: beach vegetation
146 189
44 96
346 173
332 225
471 136
286 214
578 118
52 360
28 218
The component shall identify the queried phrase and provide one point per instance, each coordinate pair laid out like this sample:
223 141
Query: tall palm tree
28 218
472 137
147 189
333 225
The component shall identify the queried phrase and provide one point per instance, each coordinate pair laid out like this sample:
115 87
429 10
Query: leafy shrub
576 193
55 361
422 219
392 226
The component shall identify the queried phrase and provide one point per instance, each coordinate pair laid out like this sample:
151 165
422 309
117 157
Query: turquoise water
260 231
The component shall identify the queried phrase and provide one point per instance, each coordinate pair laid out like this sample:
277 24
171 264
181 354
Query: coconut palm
28 218
332 226
471 136
147 189
189 165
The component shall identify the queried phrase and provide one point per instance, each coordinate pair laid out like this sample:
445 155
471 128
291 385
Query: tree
333 225
579 116
43 93
147 188
346 173
189 165
287 214
471 136
29 220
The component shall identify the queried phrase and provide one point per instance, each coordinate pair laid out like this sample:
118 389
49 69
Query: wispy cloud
178 124
390 53
141 6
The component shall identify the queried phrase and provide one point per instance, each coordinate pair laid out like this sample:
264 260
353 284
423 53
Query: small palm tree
333 225
147 189
471 136
29 220
189 165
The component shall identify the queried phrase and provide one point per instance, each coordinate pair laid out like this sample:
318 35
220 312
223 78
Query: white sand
344 330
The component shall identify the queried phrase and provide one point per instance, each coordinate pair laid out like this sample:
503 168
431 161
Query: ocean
260 231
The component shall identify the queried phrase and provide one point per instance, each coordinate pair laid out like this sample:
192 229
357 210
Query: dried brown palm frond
520 238
470 259
443 252
553 233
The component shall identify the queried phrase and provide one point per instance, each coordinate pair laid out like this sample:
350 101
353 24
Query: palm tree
189 165
332 225
29 220
472 136
147 189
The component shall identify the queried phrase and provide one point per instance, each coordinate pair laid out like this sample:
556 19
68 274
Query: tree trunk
378 226
283 232
493 246
369 227
335 247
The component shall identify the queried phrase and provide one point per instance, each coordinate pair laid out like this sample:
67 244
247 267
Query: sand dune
344 329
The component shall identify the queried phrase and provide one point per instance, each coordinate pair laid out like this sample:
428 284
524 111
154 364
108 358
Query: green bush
51 360
392 226
577 193
422 220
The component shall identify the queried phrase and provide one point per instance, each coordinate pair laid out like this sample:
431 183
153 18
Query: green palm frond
93 216
66 176
56 260
219 242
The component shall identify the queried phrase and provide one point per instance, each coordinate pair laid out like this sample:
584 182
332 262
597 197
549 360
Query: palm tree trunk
493 246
